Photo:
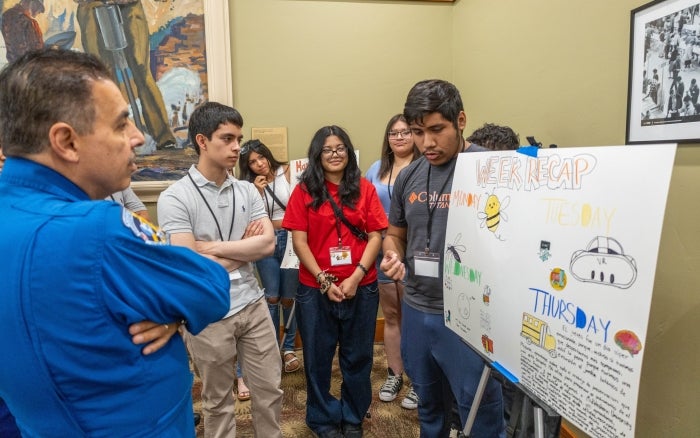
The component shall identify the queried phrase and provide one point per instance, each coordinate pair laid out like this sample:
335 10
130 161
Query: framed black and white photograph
664 73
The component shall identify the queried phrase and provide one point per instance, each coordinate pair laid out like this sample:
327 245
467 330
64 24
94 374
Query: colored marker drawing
455 249
536 331
493 213
487 343
604 262
628 341
557 278
544 253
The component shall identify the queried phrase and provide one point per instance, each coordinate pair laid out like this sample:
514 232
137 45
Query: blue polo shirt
75 274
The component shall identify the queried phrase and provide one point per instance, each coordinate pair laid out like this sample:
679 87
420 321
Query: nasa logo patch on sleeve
143 229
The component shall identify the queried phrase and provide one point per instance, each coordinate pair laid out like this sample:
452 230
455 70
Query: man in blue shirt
86 281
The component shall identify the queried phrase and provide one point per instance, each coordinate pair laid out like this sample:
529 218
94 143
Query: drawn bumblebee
494 211
456 248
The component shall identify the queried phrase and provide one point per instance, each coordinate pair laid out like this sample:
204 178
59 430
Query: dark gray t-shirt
418 188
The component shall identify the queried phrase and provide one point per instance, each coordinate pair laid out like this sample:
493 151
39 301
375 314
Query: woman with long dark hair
336 220
398 151
271 178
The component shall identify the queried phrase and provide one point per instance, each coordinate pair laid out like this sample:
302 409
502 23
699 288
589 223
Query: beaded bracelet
326 282
362 267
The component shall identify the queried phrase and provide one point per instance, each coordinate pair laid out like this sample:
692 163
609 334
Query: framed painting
162 53
664 73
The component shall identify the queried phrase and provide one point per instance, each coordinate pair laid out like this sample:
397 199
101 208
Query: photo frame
219 82
664 73
167 57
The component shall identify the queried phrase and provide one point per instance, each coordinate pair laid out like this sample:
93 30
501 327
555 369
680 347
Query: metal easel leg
477 400
538 413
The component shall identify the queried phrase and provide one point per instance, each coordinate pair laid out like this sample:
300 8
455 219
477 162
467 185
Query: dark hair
314 178
495 137
206 118
258 147
387 154
433 96
42 88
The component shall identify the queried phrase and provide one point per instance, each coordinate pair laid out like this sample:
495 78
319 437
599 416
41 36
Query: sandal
291 362
243 391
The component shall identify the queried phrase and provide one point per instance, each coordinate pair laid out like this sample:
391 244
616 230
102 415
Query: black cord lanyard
388 183
270 206
427 202
233 214
339 214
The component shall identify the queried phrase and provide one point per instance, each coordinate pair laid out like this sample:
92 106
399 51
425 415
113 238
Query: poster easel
539 408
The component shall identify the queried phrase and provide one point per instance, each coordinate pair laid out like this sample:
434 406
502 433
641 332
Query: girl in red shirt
336 219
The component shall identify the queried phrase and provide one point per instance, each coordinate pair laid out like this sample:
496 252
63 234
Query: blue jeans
440 364
350 325
279 283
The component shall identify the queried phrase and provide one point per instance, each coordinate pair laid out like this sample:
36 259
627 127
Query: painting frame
664 49
219 78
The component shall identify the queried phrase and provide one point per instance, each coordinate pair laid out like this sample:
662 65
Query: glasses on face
341 151
248 147
403 134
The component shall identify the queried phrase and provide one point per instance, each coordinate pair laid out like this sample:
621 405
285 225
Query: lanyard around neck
270 206
439 195
233 213
388 183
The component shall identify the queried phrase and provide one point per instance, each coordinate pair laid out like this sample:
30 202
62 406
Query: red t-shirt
320 226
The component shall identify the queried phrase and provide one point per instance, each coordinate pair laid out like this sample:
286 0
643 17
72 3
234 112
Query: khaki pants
249 335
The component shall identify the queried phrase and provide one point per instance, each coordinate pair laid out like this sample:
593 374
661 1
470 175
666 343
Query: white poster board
549 271
296 167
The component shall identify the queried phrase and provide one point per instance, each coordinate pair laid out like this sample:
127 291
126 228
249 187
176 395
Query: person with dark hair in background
271 178
336 220
130 201
398 151
694 91
85 281
654 85
441 366
495 137
224 219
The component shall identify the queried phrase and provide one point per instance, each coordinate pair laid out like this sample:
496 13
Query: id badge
340 255
234 275
427 264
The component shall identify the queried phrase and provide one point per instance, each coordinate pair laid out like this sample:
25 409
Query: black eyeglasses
341 151
251 145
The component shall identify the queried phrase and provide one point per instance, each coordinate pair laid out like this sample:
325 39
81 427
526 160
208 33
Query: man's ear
62 139
461 121
201 140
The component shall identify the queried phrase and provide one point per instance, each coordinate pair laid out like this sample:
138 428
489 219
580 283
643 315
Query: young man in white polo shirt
224 219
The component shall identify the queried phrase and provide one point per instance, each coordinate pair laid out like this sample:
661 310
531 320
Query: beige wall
558 70
553 69
304 64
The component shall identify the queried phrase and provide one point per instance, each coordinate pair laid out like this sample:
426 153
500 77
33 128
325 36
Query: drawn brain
628 341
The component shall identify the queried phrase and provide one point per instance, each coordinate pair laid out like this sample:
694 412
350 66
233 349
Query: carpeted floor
387 420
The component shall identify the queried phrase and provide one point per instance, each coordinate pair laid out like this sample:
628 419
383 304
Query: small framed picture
664 73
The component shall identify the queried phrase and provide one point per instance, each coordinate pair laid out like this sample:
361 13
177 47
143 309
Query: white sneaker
410 401
390 389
